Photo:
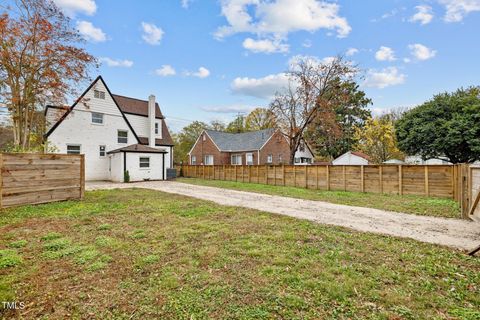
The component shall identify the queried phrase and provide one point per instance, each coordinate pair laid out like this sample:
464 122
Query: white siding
92 104
116 164
140 174
52 116
77 128
139 124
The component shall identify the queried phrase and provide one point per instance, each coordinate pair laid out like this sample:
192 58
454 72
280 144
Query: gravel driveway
455 233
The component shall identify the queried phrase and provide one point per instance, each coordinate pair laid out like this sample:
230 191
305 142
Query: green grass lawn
142 254
420 205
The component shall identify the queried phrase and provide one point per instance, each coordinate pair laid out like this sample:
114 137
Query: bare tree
40 61
315 88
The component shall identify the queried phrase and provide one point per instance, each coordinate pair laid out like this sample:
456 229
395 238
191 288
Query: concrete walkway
460 234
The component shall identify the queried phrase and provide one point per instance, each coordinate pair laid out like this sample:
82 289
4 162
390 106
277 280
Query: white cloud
151 33
458 9
229 109
265 45
116 63
384 78
165 71
385 54
424 15
264 88
421 52
71 7
281 17
351 51
201 73
91 33
185 4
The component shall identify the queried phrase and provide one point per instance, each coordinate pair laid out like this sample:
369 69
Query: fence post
464 191
266 174
294 175
380 176
344 178
328 177
203 171
427 191
82 176
274 175
316 176
249 174
283 175
362 171
306 178
1 178
400 180
258 174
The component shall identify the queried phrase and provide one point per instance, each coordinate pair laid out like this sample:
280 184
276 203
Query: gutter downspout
124 164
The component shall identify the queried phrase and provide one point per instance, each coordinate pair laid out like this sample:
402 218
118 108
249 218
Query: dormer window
156 127
99 94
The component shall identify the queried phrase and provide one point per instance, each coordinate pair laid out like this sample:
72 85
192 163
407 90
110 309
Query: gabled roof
247 141
136 106
99 78
137 148
361 155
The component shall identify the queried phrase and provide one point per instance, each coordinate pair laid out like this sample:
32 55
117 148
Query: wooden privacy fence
474 196
28 178
447 181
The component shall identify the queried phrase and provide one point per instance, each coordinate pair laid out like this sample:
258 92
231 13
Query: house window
144 162
97 118
236 159
280 159
102 151
122 136
297 160
156 127
301 146
208 160
269 158
73 149
194 160
249 157
99 94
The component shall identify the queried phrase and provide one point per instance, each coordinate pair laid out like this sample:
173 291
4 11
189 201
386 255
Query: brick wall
278 147
207 147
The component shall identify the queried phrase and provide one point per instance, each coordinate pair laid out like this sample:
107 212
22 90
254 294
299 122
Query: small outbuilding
352 158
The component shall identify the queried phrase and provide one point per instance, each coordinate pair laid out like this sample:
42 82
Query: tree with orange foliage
41 61
315 89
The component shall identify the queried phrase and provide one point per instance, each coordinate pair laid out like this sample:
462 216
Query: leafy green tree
237 125
333 133
185 139
448 125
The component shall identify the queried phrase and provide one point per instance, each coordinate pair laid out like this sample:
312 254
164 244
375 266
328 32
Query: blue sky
208 59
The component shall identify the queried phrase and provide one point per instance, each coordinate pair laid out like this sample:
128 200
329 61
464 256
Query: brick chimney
151 121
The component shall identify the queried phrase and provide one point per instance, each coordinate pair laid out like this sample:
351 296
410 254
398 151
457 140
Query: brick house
267 146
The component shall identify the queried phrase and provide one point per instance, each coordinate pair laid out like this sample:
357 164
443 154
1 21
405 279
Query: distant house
419 160
115 133
267 146
304 154
352 158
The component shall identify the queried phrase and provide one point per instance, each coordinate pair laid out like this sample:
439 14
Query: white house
304 154
419 160
352 158
115 133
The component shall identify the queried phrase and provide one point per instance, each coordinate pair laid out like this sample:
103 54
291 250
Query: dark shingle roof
247 141
136 106
138 148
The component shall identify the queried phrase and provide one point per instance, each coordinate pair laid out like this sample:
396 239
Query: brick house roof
246 141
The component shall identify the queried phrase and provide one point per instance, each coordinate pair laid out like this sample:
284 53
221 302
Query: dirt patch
461 234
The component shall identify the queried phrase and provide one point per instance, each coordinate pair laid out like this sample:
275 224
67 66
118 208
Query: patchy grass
166 256
420 205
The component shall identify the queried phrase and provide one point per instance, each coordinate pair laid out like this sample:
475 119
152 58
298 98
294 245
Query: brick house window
194 160
236 159
270 158
99 94
122 136
208 160
156 127
97 118
249 158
